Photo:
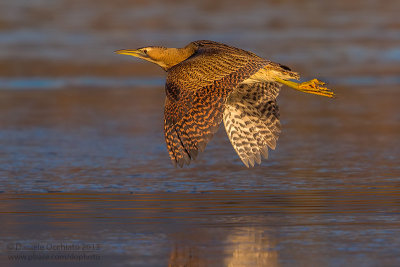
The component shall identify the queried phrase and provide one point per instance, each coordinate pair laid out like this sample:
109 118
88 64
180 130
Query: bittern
210 82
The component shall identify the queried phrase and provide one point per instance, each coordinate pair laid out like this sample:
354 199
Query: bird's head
162 56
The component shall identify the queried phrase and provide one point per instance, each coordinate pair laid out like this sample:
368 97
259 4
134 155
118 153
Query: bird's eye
145 51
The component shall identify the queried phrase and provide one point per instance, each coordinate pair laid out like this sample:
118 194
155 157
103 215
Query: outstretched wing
251 119
187 134
197 89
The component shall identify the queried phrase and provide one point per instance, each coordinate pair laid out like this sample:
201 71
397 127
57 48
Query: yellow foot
315 87
312 87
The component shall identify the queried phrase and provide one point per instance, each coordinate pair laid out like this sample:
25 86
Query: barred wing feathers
197 90
251 120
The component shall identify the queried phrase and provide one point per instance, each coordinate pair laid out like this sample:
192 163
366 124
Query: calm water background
83 159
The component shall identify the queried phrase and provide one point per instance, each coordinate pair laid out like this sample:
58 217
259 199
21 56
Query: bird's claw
315 87
313 84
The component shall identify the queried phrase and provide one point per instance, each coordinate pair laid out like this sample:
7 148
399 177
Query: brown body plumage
209 82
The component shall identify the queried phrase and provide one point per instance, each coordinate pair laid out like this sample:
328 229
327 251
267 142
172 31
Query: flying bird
209 82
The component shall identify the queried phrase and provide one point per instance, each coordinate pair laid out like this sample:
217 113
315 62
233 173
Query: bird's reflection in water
185 256
242 246
250 247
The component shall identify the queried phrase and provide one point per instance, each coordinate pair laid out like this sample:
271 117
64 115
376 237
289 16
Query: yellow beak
131 52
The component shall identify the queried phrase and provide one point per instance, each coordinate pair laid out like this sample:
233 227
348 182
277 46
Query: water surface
269 228
85 178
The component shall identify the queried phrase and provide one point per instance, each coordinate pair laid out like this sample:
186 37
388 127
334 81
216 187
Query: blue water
83 161
52 83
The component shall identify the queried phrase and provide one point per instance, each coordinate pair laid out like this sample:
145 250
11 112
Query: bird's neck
174 56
